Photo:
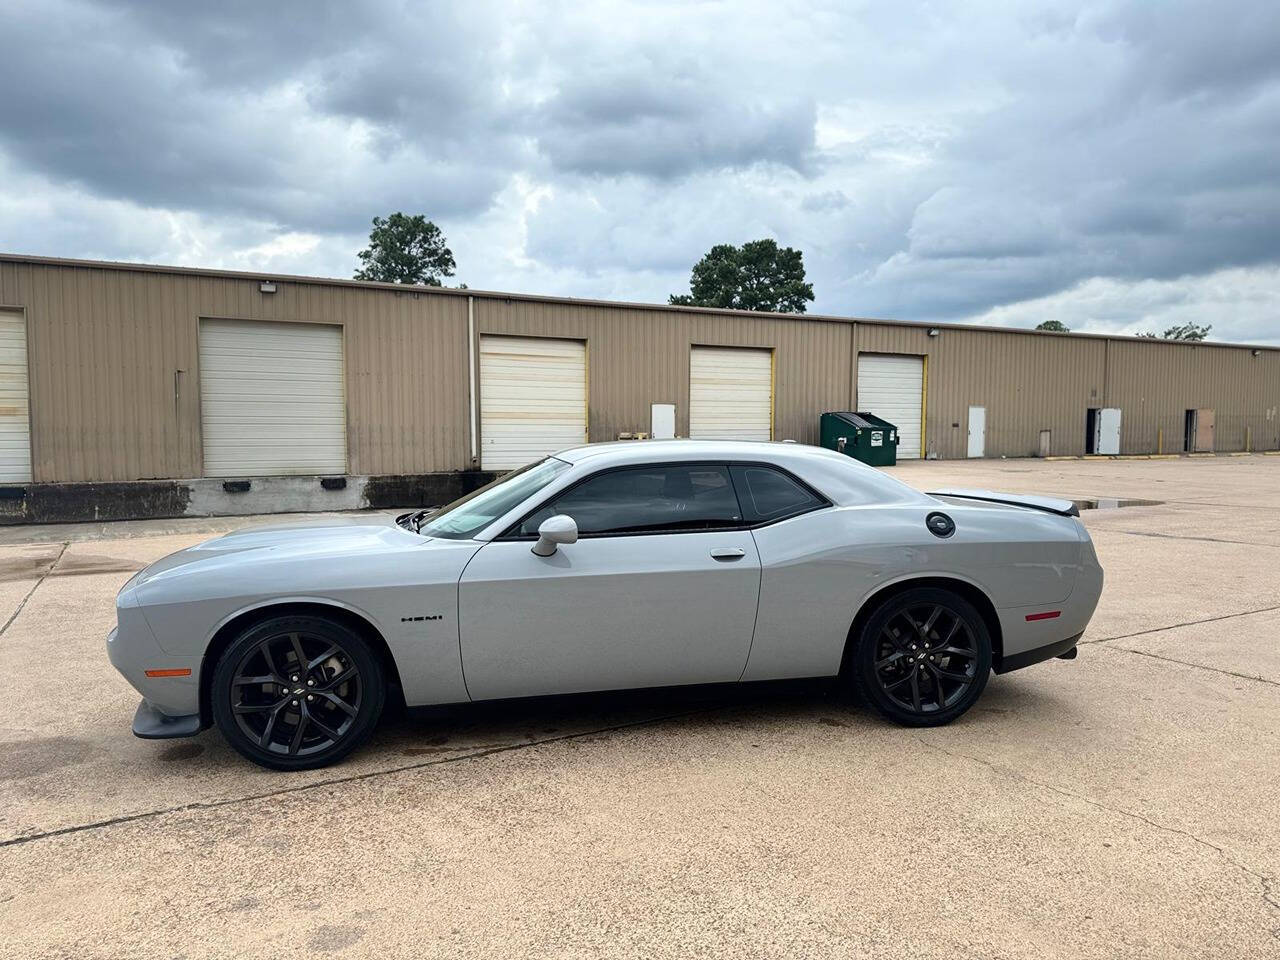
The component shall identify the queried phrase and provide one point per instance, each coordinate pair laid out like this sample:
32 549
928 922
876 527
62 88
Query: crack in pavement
334 781
1268 897
1179 536
1186 623
1208 503
44 576
1198 666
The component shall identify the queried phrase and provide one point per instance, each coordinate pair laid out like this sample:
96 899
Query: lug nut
294 678
310 698
295 703
311 683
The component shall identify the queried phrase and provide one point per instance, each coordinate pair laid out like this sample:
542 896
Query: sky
1112 165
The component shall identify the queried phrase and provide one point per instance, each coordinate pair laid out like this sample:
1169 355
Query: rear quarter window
768 494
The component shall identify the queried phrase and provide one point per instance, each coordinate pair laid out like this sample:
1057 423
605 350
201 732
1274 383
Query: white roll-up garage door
533 399
731 393
272 398
892 387
15 418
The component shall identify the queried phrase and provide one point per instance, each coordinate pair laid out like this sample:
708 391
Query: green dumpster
863 436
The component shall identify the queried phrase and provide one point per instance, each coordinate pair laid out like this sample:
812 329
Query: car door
661 588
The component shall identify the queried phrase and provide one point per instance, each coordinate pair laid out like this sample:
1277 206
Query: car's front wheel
297 692
922 657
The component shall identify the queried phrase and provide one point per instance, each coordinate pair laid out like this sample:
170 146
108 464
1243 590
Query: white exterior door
15 412
533 399
1107 440
977 431
731 393
272 399
892 387
662 421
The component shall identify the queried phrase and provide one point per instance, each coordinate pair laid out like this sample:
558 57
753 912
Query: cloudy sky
1114 165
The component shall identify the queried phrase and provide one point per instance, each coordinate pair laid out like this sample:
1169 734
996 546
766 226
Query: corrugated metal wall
115 390
114 368
637 357
1155 383
1026 383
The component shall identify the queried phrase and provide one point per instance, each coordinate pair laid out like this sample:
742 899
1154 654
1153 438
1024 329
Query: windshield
469 515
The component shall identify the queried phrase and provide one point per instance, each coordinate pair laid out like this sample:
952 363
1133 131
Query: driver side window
653 499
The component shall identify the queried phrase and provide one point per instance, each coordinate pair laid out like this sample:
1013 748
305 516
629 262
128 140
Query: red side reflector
185 672
1047 615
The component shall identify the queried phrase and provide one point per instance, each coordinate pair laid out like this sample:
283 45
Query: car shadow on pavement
504 724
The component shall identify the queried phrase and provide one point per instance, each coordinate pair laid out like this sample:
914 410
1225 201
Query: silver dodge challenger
604 567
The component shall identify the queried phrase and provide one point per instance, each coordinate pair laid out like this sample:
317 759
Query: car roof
646 451
840 478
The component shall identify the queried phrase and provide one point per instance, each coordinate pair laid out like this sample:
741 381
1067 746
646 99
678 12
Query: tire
928 676
297 724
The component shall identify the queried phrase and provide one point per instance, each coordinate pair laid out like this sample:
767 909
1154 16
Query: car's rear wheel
297 692
922 657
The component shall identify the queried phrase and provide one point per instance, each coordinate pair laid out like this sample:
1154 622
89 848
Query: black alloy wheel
297 692
923 657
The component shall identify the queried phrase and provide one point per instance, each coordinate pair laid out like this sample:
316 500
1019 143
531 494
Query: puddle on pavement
1113 503
72 565
79 565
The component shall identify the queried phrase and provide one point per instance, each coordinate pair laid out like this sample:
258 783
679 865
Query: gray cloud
668 121
931 162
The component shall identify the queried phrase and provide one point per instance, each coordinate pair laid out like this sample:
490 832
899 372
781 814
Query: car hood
283 543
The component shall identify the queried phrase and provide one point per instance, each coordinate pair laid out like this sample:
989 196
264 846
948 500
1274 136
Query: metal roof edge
588 302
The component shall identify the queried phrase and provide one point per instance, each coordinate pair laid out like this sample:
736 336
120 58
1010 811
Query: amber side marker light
184 672
1047 615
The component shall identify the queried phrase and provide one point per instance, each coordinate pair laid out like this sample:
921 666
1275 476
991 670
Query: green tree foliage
1182 331
404 249
759 275
1053 326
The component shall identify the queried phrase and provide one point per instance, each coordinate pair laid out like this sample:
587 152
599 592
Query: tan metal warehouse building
134 390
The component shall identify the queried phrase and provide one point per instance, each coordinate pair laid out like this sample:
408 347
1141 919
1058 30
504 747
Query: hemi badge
1047 615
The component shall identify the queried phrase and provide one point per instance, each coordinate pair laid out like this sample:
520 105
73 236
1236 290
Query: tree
1053 326
759 275
1182 331
404 249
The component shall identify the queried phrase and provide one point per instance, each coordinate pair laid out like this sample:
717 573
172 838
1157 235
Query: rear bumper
150 724
1016 661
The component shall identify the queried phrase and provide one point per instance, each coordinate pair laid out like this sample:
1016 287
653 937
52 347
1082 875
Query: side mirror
554 531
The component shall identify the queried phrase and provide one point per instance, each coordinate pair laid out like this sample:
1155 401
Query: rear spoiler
1063 508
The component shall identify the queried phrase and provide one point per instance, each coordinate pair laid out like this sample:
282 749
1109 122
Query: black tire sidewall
863 669
372 678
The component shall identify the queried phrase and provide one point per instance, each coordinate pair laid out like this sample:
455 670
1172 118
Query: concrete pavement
1122 804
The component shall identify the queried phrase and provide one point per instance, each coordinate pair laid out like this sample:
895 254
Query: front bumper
150 724
133 651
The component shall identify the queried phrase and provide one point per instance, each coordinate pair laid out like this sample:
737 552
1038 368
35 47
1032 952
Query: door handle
728 553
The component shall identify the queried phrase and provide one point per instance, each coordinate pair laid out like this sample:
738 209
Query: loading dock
533 398
730 393
272 398
124 406
892 387
15 413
